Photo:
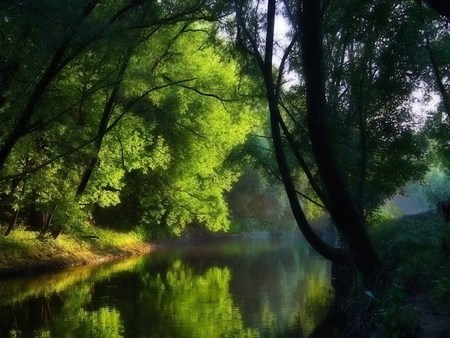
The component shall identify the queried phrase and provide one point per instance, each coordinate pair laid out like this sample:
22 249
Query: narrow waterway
255 286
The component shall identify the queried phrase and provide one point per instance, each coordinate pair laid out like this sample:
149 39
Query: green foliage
176 136
411 250
198 124
409 242
434 186
175 118
258 204
388 212
372 71
398 319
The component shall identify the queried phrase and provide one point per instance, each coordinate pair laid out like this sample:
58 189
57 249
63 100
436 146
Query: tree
76 32
357 72
200 120
92 117
343 208
250 40
371 73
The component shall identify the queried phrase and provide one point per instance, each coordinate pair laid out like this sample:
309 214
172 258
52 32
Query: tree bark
53 69
103 126
12 223
343 210
337 255
438 76
21 125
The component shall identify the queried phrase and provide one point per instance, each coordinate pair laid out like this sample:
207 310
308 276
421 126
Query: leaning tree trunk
103 126
55 66
337 255
437 72
343 210
12 223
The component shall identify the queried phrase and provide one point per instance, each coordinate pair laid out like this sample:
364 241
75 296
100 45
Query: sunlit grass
388 212
24 250
110 238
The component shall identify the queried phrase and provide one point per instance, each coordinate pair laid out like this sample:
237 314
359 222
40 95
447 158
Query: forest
161 118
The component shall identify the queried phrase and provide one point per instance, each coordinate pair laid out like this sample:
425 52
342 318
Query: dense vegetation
160 118
122 115
142 115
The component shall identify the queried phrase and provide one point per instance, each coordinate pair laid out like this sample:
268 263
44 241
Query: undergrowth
410 248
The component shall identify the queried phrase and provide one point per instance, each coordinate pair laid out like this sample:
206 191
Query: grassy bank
416 299
24 252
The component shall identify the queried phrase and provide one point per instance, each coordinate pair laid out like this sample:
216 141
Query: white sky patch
423 103
282 30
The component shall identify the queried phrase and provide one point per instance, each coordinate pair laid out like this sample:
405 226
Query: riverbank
416 299
415 303
24 252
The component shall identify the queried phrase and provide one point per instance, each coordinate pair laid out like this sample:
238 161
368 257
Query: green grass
24 251
410 248
419 284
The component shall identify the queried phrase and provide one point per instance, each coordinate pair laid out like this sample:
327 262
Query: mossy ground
23 251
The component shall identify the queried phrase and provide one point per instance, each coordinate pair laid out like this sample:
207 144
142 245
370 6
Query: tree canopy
144 114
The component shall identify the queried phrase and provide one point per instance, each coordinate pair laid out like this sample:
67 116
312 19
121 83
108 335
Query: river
253 286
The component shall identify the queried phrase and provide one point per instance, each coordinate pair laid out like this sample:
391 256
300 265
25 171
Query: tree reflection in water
232 288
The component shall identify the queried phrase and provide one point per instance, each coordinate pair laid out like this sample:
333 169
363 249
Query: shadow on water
241 287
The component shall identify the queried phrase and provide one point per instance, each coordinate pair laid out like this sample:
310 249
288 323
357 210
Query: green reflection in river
236 288
197 305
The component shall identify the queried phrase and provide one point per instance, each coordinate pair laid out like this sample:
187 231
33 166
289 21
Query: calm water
252 287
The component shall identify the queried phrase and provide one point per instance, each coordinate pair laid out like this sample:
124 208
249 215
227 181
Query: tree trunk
343 210
438 76
21 125
337 255
53 69
12 223
103 126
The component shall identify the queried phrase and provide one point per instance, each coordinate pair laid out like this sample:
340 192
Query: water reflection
253 287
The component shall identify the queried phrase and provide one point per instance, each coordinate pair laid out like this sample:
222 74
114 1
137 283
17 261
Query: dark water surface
240 287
